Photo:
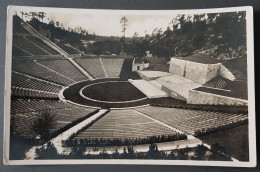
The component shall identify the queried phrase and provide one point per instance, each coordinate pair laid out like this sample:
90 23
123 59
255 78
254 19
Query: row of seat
102 67
38 42
190 121
18 51
65 68
33 105
39 71
25 114
123 124
217 82
92 65
27 92
113 66
24 81
24 44
68 49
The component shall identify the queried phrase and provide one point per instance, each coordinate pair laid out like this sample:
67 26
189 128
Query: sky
106 24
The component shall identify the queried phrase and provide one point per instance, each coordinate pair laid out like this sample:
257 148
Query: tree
78 151
48 151
153 151
123 22
182 154
200 152
22 14
43 125
42 15
176 21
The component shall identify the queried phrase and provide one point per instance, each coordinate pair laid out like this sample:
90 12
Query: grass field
234 140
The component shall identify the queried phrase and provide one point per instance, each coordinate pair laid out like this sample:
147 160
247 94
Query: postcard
156 87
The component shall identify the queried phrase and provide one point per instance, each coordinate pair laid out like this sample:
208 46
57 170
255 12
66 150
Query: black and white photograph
169 87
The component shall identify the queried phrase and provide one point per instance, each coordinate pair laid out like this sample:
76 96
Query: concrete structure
199 72
148 89
139 64
177 87
185 76
225 73
199 97
151 75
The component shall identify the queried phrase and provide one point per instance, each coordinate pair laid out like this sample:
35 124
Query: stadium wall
225 73
198 72
198 97
177 67
213 70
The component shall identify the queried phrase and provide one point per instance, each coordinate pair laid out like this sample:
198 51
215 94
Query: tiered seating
34 105
17 28
18 52
38 42
27 92
34 69
123 124
113 66
92 65
189 121
25 112
217 82
23 43
68 49
23 85
65 68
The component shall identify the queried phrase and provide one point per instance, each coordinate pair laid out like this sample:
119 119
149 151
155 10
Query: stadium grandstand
113 102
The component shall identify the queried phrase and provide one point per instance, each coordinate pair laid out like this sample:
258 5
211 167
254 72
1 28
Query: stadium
101 102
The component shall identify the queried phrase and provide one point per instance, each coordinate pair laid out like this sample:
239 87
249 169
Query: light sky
109 24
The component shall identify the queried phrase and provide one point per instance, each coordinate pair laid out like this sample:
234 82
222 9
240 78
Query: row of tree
223 35
217 153
125 141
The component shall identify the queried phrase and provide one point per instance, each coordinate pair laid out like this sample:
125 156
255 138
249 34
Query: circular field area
112 91
105 93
